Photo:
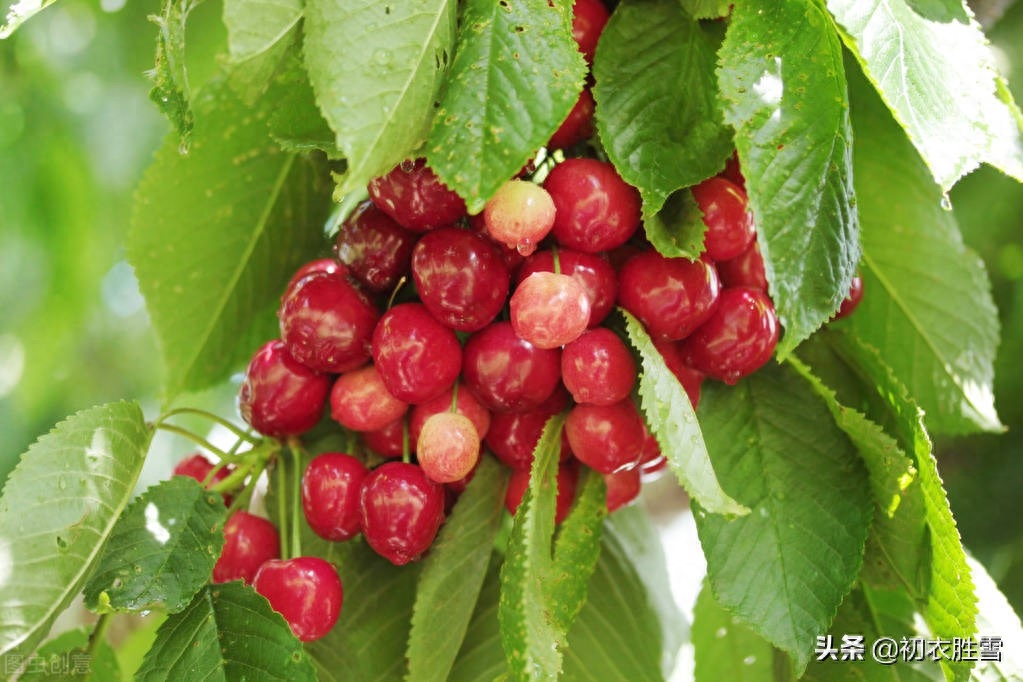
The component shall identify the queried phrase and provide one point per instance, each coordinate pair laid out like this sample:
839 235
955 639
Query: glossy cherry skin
388 441
592 271
360 401
448 447
249 542
549 309
305 590
513 436
598 368
670 296
519 215
331 487
326 323
199 468
328 265
506 372
733 172
466 404
622 488
850 302
415 197
375 248
730 229
567 482
596 209
745 270
417 356
461 277
738 339
578 125
402 510
588 20
607 438
279 396
691 379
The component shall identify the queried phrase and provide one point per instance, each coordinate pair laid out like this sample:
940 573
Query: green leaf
784 568
68 657
481 656
20 11
576 549
516 74
671 419
228 632
296 122
676 231
927 299
453 573
171 92
260 33
707 9
377 69
215 235
784 91
58 508
725 648
162 550
656 93
369 641
939 80
996 617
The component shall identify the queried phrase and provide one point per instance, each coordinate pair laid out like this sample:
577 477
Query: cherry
549 309
402 510
738 339
691 380
745 270
651 459
508 373
850 302
726 214
566 482
326 323
331 486
596 209
249 541
670 296
461 277
415 197
593 272
305 590
578 125
598 368
417 356
607 438
448 447
588 20
376 249
519 215
329 265
360 401
732 171
199 468
280 396
465 403
513 436
388 441
622 487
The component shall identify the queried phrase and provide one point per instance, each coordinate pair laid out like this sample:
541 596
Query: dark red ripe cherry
670 296
593 272
691 380
513 436
199 468
326 323
607 438
508 373
417 356
280 396
549 309
598 368
402 510
567 480
622 488
331 486
578 125
360 401
461 277
376 249
588 20
726 214
850 302
329 265
388 441
415 197
596 209
249 542
305 590
745 270
738 339
733 172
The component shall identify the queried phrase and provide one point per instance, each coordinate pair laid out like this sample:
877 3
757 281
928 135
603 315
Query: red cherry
745 270
305 590
513 435
726 214
567 481
549 309
376 249
331 486
249 541
417 356
508 373
607 438
466 404
598 368
326 323
596 209
622 487
850 302
415 197
360 401
588 20
578 125
199 468
592 271
733 172
330 266
691 380
388 441
402 510
280 396
670 296
738 339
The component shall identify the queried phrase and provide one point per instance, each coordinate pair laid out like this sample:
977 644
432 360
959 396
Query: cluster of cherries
436 336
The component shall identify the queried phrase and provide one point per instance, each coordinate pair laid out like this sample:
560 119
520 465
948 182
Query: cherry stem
242 434
406 446
98 635
454 398
281 506
242 499
297 452
395 290
557 260
198 440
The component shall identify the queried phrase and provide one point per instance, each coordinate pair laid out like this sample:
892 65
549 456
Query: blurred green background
77 130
